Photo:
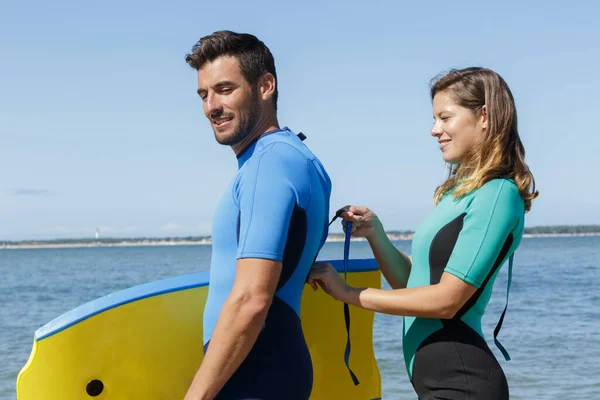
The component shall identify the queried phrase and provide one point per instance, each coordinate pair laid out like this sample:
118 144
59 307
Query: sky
101 126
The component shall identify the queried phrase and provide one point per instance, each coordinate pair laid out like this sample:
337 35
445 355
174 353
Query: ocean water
551 330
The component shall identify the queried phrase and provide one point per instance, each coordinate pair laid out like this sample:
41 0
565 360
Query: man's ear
267 86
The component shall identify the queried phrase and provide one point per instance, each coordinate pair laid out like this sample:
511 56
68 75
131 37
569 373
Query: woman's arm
442 300
394 265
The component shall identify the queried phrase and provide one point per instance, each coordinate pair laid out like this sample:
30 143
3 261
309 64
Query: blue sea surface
551 330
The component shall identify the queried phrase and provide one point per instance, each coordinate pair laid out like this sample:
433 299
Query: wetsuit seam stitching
461 215
241 251
465 277
295 271
290 145
462 367
236 185
309 187
486 231
244 254
304 156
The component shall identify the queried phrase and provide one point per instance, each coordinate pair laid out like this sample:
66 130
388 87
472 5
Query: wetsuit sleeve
492 215
272 187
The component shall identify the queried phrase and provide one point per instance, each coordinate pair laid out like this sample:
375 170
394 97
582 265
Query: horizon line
550 229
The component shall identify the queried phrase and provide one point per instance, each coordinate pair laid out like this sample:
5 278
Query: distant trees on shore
536 230
562 229
107 240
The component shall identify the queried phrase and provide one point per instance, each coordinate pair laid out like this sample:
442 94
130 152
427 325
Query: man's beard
247 123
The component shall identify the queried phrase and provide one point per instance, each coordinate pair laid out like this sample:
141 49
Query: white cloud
92 231
63 229
29 192
171 226
107 229
204 228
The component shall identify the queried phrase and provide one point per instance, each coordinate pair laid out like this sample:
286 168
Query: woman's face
457 129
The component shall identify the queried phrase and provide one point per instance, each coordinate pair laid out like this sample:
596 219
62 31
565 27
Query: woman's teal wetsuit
469 238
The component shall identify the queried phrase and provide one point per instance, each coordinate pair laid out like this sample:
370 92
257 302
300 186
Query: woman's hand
324 275
365 222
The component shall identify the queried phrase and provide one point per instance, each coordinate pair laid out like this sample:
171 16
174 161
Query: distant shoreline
208 241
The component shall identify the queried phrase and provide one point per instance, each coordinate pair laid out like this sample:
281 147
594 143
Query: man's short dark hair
254 57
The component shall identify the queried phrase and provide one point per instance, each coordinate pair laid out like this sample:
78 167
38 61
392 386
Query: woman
476 225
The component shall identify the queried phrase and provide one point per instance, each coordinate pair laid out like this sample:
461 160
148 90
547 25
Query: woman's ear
484 117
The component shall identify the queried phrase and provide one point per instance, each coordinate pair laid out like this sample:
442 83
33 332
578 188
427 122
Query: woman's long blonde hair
500 153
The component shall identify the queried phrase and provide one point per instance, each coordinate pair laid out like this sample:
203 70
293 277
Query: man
268 228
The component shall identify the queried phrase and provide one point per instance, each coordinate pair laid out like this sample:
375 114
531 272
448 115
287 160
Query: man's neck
268 124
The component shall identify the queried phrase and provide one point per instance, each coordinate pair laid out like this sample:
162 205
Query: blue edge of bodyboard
156 288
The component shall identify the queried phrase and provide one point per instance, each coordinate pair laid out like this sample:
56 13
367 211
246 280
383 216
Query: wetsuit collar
245 154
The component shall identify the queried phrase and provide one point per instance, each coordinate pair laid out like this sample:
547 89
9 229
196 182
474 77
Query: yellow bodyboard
145 343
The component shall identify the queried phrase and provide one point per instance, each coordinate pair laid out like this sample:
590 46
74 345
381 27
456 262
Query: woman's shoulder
500 184
500 190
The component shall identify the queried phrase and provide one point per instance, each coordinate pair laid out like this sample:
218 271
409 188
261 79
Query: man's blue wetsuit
275 208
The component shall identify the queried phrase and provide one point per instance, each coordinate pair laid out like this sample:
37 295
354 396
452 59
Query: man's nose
213 106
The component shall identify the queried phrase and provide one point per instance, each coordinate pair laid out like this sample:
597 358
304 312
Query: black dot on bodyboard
94 388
